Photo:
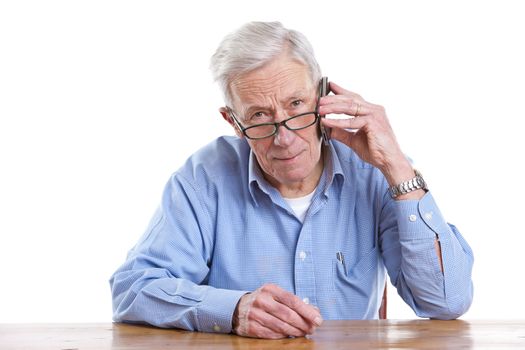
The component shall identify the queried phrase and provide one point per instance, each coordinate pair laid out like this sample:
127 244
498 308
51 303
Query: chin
292 177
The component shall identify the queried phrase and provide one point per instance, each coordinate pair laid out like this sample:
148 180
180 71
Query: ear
227 116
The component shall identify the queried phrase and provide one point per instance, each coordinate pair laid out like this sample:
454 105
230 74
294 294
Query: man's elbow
454 308
458 309
121 299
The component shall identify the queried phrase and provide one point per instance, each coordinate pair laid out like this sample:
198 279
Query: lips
287 157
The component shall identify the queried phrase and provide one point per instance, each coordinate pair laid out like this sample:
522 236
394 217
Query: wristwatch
405 187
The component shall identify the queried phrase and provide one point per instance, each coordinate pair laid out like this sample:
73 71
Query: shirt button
428 215
302 255
412 218
216 328
306 300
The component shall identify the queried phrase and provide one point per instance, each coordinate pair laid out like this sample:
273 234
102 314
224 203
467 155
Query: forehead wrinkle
259 89
259 82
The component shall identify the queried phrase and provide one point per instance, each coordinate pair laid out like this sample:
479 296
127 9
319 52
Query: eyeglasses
264 130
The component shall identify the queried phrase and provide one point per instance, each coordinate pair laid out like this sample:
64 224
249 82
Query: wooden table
380 334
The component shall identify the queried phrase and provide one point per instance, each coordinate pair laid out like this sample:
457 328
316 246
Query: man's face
290 160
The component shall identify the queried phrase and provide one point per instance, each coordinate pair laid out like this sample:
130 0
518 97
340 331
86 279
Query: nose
283 137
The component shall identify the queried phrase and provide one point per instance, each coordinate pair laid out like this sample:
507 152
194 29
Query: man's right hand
271 312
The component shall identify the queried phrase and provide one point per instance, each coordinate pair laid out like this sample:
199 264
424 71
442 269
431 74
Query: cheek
261 149
314 141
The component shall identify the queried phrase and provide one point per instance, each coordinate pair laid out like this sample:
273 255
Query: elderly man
270 232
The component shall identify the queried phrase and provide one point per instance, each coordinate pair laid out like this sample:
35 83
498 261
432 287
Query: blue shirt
222 230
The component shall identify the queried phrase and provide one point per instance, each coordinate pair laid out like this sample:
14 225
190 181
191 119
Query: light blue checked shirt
222 230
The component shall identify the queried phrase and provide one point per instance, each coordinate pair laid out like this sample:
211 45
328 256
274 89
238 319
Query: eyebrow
297 95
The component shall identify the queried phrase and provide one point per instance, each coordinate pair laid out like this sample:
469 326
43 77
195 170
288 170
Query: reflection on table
377 334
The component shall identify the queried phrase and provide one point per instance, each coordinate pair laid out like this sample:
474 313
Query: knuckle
268 287
285 313
284 327
260 303
265 333
295 302
252 315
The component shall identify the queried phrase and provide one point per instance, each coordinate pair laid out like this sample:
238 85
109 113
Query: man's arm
435 284
428 260
403 171
159 284
161 281
154 296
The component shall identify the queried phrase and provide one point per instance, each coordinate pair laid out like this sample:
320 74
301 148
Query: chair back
382 308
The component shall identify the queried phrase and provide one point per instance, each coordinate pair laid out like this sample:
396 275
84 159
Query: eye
259 116
297 103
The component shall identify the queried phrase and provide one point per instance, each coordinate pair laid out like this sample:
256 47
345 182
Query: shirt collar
332 169
332 166
256 180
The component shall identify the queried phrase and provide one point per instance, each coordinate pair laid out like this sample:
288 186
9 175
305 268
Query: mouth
288 158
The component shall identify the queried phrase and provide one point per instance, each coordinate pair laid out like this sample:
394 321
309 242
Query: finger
306 311
251 320
348 107
328 99
258 330
338 90
347 123
290 317
351 103
277 325
287 310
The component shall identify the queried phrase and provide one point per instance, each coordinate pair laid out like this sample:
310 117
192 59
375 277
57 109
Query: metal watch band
413 184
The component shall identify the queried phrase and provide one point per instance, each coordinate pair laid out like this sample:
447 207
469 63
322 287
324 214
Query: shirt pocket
359 277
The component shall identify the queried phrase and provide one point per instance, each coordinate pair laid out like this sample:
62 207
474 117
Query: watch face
420 181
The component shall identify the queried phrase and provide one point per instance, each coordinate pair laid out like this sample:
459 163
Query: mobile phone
324 89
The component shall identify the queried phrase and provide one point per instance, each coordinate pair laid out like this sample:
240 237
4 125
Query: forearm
154 297
434 273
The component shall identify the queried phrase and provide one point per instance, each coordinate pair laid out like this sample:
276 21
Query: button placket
302 255
304 278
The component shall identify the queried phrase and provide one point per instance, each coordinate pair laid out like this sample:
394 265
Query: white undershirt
300 205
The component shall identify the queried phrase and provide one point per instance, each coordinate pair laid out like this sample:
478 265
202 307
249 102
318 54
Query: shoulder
223 157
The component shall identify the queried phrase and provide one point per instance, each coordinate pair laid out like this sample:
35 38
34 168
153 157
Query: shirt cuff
419 219
216 311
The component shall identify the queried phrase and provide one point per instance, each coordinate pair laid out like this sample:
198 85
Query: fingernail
318 321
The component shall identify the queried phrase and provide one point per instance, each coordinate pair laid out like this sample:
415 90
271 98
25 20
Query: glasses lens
260 131
301 121
294 123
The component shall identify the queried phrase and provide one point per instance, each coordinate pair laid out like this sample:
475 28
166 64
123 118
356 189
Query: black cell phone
324 89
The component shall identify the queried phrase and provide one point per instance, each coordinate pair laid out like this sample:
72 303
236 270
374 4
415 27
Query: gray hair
255 44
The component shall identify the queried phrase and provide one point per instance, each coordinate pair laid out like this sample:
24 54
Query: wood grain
377 334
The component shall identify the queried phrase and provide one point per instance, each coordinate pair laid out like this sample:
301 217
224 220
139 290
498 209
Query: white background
100 101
